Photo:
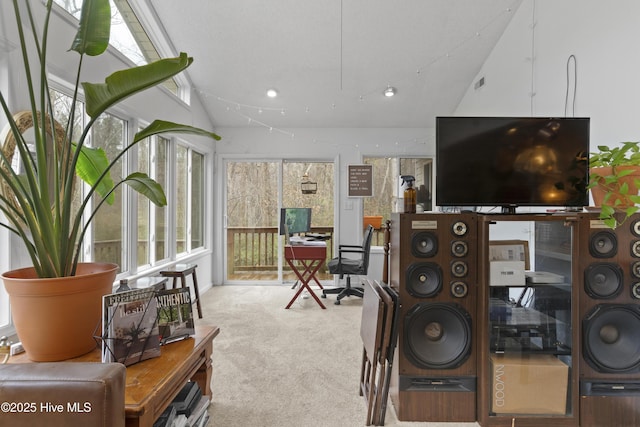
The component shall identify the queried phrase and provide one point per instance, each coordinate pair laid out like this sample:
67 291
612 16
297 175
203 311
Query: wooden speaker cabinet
610 323
433 268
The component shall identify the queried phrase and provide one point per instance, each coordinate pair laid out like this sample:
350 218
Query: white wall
603 36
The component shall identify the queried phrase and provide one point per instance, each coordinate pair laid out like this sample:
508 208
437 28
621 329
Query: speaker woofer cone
603 280
437 335
424 244
611 338
603 244
635 249
424 280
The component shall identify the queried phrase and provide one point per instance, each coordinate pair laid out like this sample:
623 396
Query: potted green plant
614 181
39 204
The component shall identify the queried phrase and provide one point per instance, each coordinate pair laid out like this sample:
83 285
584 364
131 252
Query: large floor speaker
610 323
433 268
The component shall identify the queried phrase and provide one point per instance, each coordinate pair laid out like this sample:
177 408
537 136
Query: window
144 240
190 199
197 200
160 214
386 176
108 226
182 173
127 34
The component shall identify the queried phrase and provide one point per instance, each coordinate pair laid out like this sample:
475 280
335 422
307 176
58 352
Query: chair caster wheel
337 302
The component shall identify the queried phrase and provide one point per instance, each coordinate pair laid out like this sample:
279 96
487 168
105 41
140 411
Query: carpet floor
298 367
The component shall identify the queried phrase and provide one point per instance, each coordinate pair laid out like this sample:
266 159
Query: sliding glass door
298 183
255 192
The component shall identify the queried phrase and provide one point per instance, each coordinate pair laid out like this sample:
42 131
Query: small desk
152 384
309 260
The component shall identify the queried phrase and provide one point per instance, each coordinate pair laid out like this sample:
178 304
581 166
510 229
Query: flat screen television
296 220
510 161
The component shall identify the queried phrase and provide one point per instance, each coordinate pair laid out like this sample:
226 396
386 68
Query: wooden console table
152 384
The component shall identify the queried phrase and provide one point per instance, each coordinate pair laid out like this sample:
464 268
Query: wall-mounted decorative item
360 180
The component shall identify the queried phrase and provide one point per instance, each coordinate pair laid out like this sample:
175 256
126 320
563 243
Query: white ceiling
330 60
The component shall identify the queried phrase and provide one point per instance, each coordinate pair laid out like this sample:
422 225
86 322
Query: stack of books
188 409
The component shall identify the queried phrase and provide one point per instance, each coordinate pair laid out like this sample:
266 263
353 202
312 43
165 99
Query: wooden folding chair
390 341
371 332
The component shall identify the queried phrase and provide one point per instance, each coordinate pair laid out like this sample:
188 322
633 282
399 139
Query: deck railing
249 249
255 249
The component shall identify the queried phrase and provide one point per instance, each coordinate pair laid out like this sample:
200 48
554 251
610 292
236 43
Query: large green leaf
161 126
148 187
91 164
124 83
92 37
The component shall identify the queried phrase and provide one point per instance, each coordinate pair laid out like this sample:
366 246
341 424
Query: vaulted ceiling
330 60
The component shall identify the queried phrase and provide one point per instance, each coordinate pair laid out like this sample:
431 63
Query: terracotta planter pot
598 193
56 319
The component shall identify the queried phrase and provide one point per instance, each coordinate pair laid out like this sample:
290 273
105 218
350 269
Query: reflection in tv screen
509 162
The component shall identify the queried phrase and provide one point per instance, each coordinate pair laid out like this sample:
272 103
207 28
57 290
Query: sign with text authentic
360 180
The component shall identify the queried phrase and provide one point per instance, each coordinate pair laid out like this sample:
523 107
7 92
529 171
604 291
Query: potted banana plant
614 180
38 204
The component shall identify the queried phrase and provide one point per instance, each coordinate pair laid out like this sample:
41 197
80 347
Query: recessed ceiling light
389 91
272 93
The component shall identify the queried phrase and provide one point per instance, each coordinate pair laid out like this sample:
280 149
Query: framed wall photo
360 180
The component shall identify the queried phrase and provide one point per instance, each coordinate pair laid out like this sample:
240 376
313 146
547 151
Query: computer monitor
295 220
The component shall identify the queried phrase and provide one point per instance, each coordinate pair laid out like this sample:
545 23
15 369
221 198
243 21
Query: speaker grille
603 244
437 335
424 279
424 244
611 338
603 280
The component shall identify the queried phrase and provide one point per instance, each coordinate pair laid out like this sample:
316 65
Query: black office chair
348 266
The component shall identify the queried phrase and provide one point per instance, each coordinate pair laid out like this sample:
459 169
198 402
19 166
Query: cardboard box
510 250
506 273
528 384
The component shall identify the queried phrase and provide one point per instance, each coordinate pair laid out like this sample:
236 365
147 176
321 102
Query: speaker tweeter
459 289
459 228
635 269
459 248
459 268
635 228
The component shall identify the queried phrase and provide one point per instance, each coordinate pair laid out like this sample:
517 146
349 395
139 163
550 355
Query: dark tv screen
510 161
297 220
